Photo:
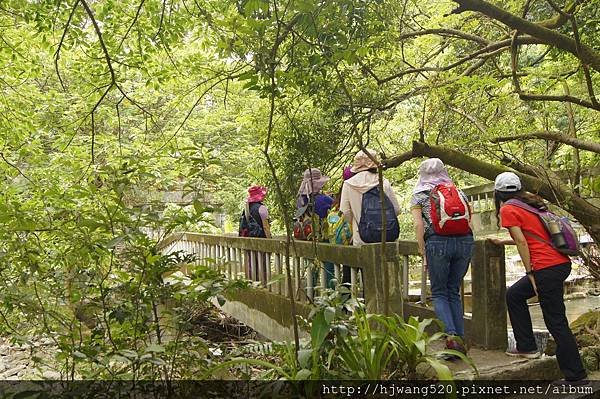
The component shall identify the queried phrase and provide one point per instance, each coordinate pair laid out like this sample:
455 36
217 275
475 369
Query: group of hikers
441 214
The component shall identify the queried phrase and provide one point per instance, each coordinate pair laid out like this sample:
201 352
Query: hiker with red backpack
544 241
312 207
441 215
311 201
254 223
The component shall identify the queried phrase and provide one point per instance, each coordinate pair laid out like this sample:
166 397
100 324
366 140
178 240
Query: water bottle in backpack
563 237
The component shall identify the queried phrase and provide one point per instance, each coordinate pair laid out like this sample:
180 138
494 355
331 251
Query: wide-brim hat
312 181
256 193
362 161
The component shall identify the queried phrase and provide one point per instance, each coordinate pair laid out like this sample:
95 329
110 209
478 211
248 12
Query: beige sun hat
362 161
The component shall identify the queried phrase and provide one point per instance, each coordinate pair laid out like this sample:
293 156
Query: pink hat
347 172
256 193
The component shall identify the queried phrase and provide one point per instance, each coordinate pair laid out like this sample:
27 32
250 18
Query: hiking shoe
526 355
455 343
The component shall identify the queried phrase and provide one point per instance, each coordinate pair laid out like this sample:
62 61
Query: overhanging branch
554 136
587 214
586 54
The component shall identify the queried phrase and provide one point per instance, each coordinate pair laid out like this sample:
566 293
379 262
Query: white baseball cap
507 182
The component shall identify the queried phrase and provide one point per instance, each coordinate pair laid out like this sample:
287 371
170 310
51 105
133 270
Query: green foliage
124 121
347 343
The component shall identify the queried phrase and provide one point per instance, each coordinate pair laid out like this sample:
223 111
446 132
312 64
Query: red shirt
542 255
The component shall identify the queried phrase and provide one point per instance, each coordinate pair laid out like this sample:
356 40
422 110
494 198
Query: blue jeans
448 260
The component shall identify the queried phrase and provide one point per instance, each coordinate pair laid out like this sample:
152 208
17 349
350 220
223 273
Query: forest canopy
110 108
163 95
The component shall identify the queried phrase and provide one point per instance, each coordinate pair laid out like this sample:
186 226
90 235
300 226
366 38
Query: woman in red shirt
545 272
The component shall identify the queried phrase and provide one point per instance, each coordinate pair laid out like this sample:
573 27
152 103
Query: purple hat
347 172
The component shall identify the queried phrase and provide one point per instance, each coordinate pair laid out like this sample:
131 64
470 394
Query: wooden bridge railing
385 290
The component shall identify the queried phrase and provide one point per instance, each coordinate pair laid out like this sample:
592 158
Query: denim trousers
448 259
550 286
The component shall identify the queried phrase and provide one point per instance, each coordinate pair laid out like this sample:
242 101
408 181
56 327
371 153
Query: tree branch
563 98
490 50
481 126
398 160
587 214
587 54
446 33
62 40
15 167
559 20
554 136
90 14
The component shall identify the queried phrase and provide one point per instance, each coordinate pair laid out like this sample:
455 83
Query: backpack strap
532 209
537 237
247 212
523 205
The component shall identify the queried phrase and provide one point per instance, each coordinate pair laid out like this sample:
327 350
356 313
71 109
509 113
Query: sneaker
456 344
526 355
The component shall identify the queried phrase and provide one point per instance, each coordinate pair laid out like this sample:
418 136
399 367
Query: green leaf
442 371
114 242
319 330
329 314
129 353
155 348
304 356
303 374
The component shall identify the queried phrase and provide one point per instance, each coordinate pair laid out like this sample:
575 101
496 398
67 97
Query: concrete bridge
384 289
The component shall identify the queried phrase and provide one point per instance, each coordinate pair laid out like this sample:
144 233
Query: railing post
239 262
229 260
262 271
424 275
394 287
279 271
405 278
354 281
297 279
488 282
323 278
310 278
373 279
250 256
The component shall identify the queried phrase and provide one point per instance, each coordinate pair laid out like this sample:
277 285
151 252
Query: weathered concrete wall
267 313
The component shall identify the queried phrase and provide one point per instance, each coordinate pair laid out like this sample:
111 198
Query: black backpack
369 227
249 227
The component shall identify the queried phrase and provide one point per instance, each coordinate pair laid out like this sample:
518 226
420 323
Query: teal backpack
339 230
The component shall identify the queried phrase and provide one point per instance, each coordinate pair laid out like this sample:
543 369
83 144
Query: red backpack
450 213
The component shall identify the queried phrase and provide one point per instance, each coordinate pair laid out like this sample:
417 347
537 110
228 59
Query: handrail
384 290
